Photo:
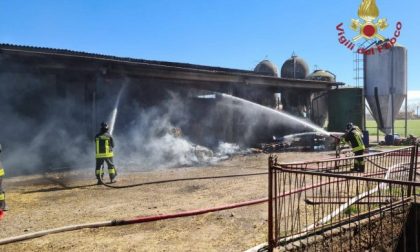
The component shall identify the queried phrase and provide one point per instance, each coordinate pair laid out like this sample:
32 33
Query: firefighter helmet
104 126
349 126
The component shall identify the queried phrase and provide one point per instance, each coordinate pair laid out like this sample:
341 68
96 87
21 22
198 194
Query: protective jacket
2 194
354 137
104 144
1 170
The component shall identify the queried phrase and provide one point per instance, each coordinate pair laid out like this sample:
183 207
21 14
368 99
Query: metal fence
321 205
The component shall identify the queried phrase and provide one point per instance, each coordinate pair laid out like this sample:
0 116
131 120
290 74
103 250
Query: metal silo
385 76
266 67
295 102
294 68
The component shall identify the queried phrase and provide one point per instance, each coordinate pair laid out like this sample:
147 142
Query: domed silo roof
321 75
294 68
266 67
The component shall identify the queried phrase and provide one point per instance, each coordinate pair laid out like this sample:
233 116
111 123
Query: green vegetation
413 127
351 210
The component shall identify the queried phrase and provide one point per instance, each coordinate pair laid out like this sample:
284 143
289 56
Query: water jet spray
113 116
279 113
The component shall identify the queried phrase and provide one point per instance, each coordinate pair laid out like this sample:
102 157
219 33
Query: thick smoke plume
151 140
40 130
49 124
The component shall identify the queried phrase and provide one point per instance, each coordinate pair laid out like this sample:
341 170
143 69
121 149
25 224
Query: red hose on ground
142 219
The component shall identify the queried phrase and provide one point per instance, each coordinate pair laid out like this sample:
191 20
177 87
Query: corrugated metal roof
115 58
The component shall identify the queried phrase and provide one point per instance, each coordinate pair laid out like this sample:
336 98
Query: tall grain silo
295 102
385 87
294 68
266 67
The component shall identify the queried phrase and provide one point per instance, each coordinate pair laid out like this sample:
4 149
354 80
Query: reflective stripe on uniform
2 197
97 146
108 153
99 172
107 146
104 155
360 146
1 172
112 170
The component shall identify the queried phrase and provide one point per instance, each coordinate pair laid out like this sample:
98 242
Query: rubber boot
112 178
3 205
112 174
3 202
99 179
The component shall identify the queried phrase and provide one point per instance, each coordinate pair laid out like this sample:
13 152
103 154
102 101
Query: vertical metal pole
392 93
270 205
416 156
406 112
392 110
232 130
413 165
94 123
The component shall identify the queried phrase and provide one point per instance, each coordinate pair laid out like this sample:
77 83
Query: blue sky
229 33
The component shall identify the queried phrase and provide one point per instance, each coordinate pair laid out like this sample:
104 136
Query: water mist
277 113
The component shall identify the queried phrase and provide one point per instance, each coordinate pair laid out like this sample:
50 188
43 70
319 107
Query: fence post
270 204
413 166
416 153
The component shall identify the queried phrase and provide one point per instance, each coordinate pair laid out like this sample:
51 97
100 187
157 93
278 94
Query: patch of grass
351 210
396 192
413 127
417 191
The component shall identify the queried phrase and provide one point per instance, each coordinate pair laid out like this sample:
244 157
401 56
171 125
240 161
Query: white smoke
152 141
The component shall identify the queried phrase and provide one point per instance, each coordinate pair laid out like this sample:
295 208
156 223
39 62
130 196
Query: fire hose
180 179
143 219
168 181
140 219
135 220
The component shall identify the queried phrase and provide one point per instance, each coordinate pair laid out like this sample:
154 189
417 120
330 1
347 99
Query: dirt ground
52 200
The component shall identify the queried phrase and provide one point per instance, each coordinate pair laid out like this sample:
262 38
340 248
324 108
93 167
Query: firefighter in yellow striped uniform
355 139
2 195
104 144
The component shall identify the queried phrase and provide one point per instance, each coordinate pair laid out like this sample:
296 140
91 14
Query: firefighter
354 137
2 195
104 143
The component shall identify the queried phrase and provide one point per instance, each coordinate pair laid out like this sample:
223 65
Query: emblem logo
368 27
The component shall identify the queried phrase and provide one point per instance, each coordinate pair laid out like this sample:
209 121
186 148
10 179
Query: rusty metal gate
323 206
